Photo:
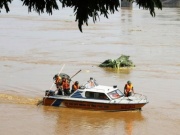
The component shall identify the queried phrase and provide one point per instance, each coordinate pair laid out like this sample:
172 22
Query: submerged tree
122 61
83 9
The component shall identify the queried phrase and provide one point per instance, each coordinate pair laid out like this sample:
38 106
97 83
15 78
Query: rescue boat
97 97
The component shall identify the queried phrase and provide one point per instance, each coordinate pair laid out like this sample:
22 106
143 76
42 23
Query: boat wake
16 99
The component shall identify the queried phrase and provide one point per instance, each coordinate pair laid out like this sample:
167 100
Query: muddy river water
33 48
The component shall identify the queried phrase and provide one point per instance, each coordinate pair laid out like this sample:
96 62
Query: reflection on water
74 121
118 71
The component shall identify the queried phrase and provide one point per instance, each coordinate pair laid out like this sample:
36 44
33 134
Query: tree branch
83 9
4 3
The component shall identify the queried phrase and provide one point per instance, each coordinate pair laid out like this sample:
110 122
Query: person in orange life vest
128 89
58 82
75 86
66 86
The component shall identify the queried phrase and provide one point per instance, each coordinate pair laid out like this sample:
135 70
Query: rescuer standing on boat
128 89
75 86
58 82
66 86
91 82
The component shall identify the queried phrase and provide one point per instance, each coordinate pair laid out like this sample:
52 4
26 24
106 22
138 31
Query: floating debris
122 61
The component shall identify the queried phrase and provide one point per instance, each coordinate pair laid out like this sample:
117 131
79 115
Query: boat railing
123 98
140 96
137 95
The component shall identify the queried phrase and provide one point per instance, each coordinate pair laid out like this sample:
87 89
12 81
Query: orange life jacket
57 80
65 84
75 87
129 87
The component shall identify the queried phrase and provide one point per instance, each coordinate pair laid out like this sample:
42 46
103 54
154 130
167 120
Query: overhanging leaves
4 3
83 9
148 4
40 5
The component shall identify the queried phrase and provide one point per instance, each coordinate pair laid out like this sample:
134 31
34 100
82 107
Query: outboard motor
49 93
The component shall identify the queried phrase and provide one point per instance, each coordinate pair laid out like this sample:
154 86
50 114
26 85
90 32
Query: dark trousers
72 91
59 92
66 92
129 94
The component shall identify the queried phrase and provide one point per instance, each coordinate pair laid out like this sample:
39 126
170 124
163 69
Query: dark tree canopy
83 9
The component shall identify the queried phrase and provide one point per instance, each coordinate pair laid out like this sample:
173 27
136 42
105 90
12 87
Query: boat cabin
98 92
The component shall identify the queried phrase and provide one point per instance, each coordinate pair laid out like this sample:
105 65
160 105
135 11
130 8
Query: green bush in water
122 61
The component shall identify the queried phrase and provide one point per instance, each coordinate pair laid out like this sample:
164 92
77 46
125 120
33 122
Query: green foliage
148 4
40 5
4 3
83 9
122 61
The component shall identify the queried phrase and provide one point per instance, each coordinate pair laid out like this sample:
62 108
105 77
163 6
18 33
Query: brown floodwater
34 48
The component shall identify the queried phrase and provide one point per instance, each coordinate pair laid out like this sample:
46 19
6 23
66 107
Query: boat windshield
115 94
